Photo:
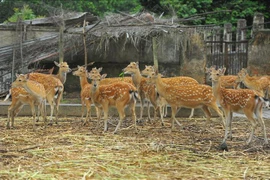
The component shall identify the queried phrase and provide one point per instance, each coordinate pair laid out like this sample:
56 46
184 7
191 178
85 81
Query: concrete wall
259 53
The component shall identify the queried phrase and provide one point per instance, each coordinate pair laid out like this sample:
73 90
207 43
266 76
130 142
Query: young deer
62 72
189 96
37 92
22 97
238 100
260 84
173 81
54 90
118 94
227 81
86 87
147 91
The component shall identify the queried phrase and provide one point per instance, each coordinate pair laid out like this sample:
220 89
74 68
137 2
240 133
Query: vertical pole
84 42
61 36
154 43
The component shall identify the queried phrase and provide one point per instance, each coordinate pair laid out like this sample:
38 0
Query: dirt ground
70 150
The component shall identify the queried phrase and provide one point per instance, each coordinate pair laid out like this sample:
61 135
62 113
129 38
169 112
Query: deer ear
17 75
100 69
103 76
223 70
56 63
137 63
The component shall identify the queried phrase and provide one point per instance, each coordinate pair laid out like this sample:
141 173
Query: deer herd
224 97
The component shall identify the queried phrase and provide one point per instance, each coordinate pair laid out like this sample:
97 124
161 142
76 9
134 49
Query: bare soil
71 150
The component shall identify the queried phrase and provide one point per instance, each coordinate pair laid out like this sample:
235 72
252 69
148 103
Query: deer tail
8 95
135 95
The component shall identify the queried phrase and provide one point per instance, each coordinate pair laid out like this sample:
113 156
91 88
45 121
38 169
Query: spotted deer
62 72
189 96
54 90
110 80
86 87
238 100
118 94
147 91
38 96
175 81
260 84
227 81
22 97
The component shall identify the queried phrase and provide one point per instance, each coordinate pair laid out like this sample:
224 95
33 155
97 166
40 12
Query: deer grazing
118 94
227 81
238 100
174 81
260 84
147 91
189 96
86 87
38 96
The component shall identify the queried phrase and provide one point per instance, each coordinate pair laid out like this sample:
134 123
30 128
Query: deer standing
147 91
238 100
260 84
118 94
37 92
22 97
189 96
86 87
227 81
174 81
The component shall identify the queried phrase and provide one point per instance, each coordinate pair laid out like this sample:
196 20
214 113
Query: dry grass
72 151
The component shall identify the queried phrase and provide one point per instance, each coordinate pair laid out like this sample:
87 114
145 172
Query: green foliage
25 13
240 9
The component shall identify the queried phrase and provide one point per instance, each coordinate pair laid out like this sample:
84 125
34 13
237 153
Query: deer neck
136 78
83 81
32 89
247 81
217 88
62 76
160 86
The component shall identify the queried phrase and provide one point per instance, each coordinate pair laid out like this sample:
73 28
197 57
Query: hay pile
73 151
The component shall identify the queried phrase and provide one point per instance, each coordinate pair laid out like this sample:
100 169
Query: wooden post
241 34
154 44
61 36
258 23
84 42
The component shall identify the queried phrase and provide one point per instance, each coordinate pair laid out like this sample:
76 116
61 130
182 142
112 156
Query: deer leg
148 112
106 111
191 114
42 109
174 110
214 106
13 110
133 113
121 112
165 110
51 115
161 110
253 125
258 113
228 119
83 103
88 111
207 113
34 115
